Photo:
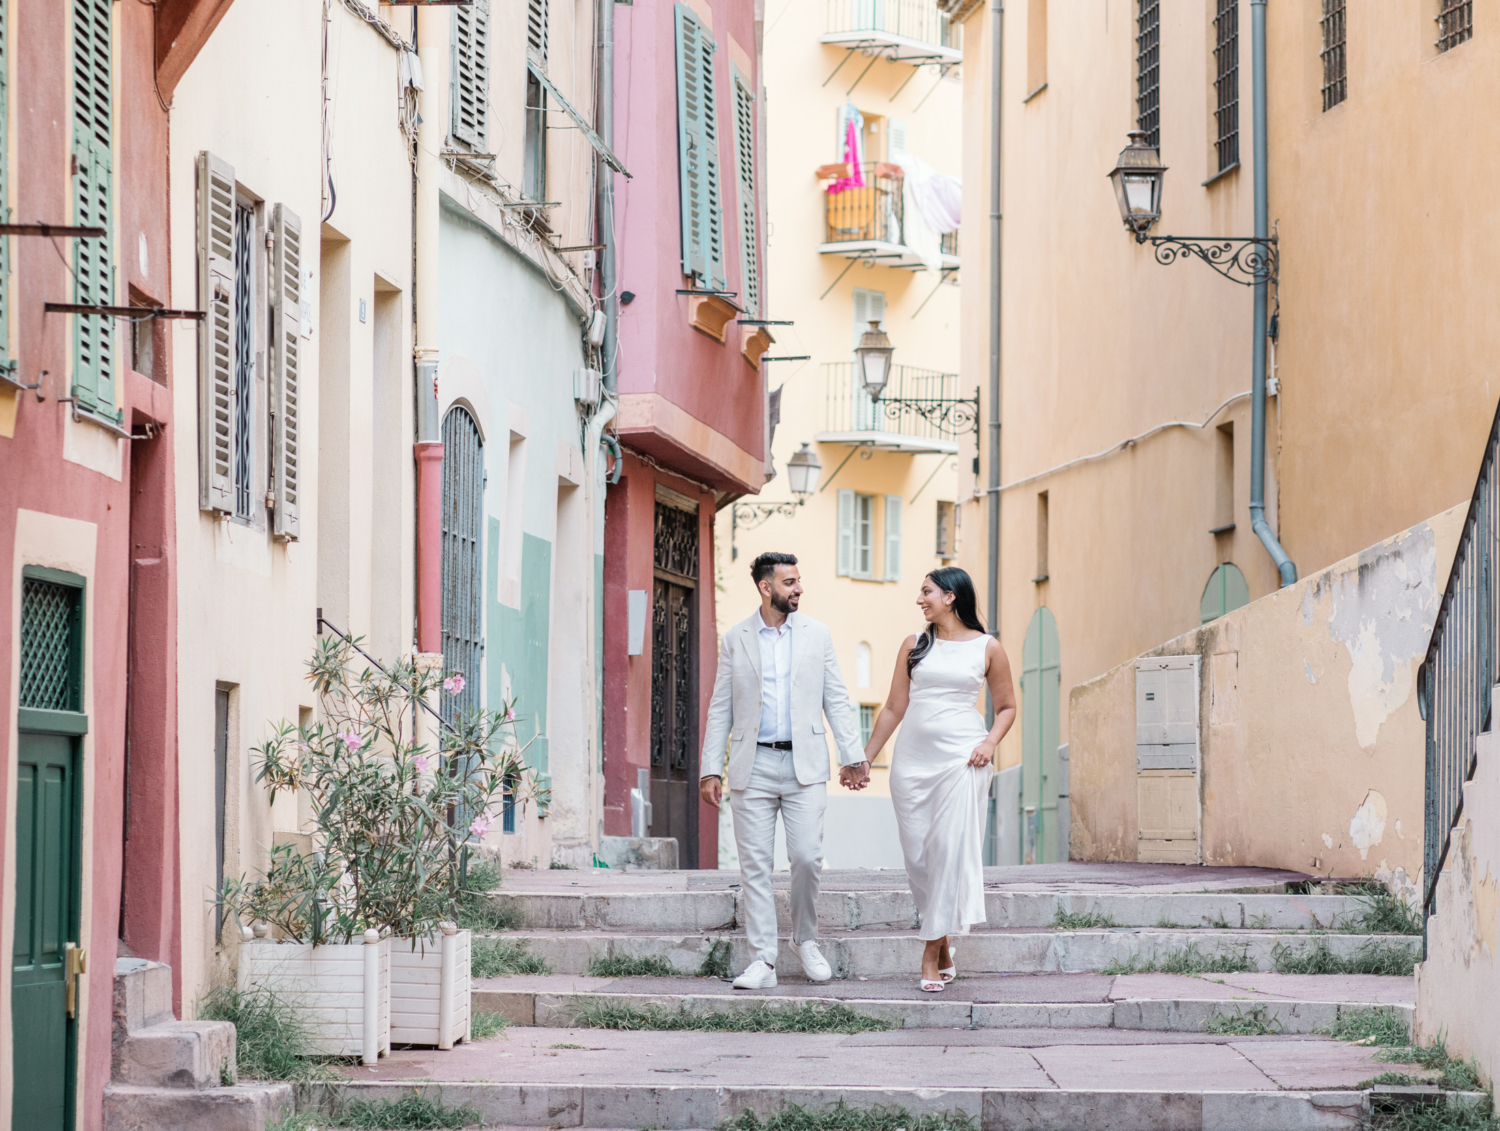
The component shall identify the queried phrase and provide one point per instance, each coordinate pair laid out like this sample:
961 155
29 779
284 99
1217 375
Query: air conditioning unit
586 386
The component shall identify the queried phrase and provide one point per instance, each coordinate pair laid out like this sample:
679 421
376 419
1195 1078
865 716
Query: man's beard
783 605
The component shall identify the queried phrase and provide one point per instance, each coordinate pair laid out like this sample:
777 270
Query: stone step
152 1049
894 908
243 1107
878 954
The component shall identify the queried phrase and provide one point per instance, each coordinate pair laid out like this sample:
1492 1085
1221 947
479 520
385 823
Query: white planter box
341 992
430 987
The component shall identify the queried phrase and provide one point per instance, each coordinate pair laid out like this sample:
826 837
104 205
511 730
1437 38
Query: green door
46 922
1041 690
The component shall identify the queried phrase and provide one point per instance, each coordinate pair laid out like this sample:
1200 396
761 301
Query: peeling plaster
1327 841
1307 669
1368 826
1382 613
1399 883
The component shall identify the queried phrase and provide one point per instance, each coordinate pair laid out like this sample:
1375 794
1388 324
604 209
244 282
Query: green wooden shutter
470 93
845 564
216 334
536 31
93 270
893 537
286 372
744 151
698 153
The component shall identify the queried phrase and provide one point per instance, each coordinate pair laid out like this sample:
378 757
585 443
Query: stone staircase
1055 1020
167 1075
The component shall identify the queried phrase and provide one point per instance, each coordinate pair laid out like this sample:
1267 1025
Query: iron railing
870 213
918 20
950 243
1457 676
848 408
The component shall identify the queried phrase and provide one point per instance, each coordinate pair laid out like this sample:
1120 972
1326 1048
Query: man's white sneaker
814 965
758 976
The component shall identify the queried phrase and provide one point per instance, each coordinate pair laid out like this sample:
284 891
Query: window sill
1225 529
1221 174
1033 94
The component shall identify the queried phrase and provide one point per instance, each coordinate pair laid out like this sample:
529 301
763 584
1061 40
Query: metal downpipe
605 127
1284 564
992 588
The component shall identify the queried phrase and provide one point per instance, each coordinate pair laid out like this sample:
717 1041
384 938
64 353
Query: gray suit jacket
817 690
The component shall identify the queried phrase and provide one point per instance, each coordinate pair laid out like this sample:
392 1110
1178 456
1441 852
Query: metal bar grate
51 674
1227 83
1455 21
1148 70
1334 54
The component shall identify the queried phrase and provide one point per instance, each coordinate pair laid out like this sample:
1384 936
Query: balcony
903 31
868 222
851 417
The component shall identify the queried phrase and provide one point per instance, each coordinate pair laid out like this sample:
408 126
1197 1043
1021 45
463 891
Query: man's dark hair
763 568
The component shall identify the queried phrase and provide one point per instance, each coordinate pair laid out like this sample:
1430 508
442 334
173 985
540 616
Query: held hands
711 790
855 777
983 754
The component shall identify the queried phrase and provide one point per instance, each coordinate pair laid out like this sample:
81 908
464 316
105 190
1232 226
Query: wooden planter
340 992
430 986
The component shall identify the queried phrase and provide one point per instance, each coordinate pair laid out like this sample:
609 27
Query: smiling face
784 590
934 600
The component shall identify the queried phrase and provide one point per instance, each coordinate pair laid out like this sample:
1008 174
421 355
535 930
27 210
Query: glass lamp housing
1138 178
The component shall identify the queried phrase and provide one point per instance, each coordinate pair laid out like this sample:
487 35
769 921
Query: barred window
1227 83
1335 61
1148 70
1455 21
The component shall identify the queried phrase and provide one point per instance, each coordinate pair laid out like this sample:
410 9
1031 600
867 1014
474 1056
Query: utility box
1168 805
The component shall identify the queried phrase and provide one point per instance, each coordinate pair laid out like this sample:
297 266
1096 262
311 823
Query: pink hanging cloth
851 158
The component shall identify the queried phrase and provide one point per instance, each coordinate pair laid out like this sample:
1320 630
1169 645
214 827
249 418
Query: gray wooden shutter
286 372
893 537
845 563
744 151
471 73
536 31
698 153
93 270
216 275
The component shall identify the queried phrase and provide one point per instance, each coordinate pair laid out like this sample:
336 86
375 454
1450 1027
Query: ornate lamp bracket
1246 260
957 417
747 516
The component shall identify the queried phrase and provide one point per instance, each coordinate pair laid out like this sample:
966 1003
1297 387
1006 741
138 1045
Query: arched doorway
1226 591
463 558
1041 695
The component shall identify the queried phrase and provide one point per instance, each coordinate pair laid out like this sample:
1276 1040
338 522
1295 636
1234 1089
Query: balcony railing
889 22
950 243
849 409
858 215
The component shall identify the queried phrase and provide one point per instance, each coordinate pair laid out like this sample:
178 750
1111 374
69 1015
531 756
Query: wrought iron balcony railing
896 24
872 213
950 243
931 409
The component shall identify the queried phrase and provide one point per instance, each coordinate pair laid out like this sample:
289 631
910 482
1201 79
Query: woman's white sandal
933 985
948 973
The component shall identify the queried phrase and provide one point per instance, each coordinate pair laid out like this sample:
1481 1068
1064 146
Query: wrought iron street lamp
873 359
802 472
1137 177
873 356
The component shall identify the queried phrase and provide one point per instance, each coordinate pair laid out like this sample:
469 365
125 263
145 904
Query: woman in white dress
940 772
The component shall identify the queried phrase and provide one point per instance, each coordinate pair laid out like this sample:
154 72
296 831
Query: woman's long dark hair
950 579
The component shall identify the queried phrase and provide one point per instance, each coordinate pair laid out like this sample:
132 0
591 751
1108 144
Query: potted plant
393 816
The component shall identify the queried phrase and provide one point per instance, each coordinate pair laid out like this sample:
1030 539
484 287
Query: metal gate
463 557
674 669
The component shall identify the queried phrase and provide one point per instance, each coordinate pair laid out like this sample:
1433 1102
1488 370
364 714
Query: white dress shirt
775 682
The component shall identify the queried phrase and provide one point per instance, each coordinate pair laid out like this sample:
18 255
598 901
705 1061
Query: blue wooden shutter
845 565
93 271
893 537
744 151
470 93
698 153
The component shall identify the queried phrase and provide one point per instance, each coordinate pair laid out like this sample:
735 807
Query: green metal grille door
1041 692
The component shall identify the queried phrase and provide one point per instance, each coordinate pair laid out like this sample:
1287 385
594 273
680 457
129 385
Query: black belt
776 745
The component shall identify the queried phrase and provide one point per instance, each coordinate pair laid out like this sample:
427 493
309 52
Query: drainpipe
432 45
1258 523
997 18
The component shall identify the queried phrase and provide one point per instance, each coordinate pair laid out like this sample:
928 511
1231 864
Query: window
893 537
93 270
1036 46
946 512
1226 591
244 354
1455 21
471 74
534 167
1148 70
856 535
508 806
862 656
1227 84
536 31
744 151
869 306
1043 535
51 640
699 196
1223 480
866 723
221 798
1335 61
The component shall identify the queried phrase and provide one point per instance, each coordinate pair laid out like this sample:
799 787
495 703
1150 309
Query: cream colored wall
1310 736
247 603
801 135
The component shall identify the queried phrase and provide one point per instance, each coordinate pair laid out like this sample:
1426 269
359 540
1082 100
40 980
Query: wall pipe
604 126
1284 564
992 591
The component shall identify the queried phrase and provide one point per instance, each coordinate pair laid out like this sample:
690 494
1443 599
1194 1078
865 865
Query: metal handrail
324 622
1457 676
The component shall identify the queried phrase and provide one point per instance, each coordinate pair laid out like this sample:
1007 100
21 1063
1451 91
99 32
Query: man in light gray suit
778 677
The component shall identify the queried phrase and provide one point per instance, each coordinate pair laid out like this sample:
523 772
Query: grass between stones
842 1117
1082 920
600 1013
494 957
1370 1027
484 1025
716 962
1374 957
270 1043
476 911
1383 913
631 966
1189 960
1255 1023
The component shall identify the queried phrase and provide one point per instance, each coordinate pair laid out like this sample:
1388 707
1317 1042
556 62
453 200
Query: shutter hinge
270 240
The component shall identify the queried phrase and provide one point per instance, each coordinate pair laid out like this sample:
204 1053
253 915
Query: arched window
463 557
1226 591
862 665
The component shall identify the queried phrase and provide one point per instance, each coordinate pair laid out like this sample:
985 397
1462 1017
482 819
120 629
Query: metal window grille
1455 21
51 646
244 359
1148 70
463 557
1334 55
1227 83
508 806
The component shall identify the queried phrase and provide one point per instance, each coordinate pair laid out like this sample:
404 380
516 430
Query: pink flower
351 739
423 761
454 684
510 714
480 826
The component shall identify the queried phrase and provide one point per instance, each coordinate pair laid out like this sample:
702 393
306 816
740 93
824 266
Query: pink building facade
692 391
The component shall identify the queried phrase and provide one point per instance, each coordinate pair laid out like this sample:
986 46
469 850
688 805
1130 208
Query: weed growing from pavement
1374 957
1383 913
495 957
716 961
1190 960
1370 1027
631 966
476 911
270 1042
484 1025
414 1111
842 1117
1454 1074
1252 1024
1437 1117
600 1013
1082 920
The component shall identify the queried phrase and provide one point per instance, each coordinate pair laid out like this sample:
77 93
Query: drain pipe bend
1284 564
